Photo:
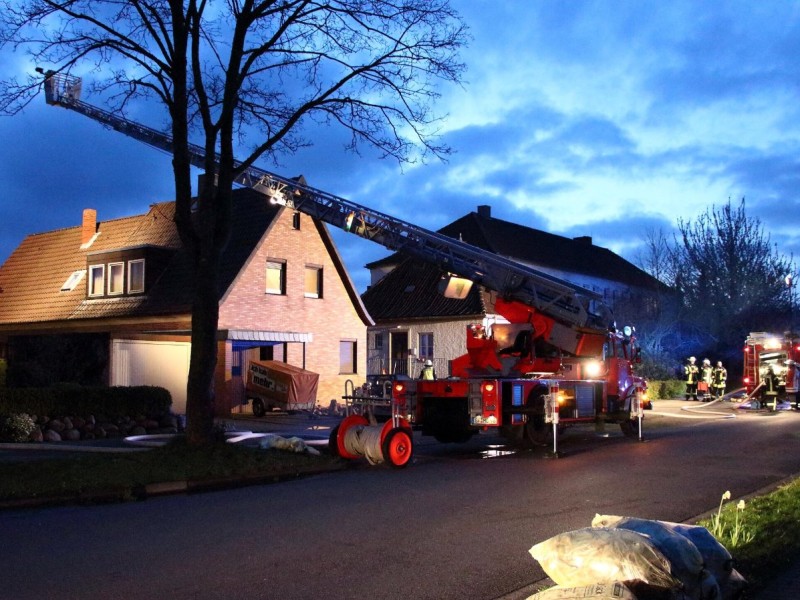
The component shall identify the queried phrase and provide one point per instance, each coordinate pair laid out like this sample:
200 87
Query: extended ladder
553 297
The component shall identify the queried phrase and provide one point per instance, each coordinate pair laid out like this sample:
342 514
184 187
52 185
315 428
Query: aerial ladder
570 318
572 305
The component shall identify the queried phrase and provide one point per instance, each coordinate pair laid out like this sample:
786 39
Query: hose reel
391 442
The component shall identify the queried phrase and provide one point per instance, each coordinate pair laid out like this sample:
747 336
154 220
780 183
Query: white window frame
131 264
112 267
92 288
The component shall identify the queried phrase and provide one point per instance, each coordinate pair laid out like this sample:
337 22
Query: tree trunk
205 317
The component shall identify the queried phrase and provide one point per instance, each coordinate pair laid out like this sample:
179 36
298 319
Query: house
109 302
414 322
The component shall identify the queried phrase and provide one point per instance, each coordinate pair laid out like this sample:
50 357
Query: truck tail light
399 388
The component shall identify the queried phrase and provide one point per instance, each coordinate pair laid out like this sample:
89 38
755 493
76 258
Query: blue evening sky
602 118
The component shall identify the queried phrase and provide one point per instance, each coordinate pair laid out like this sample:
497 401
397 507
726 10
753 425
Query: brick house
109 302
415 322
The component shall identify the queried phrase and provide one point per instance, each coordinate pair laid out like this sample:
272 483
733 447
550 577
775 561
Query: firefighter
771 383
719 377
428 372
691 373
706 378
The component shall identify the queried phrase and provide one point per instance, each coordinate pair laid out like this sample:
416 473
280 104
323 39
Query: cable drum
391 442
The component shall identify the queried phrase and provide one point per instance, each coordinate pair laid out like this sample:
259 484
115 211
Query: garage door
165 364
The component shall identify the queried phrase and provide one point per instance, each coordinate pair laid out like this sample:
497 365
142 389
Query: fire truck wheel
333 442
537 431
259 409
398 448
629 428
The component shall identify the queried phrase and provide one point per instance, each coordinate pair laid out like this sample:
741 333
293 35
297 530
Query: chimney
485 211
584 239
89 226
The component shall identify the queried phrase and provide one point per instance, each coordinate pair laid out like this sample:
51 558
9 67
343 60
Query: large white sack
592 554
687 563
615 590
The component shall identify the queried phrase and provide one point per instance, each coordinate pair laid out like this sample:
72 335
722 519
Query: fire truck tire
333 442
259 409
537 431
398 448
629 427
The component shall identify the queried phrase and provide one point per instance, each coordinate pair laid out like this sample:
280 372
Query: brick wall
329 319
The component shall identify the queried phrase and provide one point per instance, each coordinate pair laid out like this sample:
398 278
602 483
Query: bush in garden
16 428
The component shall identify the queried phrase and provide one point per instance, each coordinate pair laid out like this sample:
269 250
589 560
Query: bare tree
243 70
730 276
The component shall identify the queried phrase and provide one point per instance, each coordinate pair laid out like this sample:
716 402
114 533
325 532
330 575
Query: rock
90 420
100 433
138 430
72 435
68 423
78 422
36 435
150 424
56 425
169 421
51 436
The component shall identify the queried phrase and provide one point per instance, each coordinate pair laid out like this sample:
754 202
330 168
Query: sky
600 118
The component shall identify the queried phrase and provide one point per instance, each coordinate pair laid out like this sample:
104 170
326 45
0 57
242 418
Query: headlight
593 368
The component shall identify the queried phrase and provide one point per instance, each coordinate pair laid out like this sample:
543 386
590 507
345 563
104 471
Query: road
450 526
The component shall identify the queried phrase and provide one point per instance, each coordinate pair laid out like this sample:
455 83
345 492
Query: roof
540 248
32 277
411 291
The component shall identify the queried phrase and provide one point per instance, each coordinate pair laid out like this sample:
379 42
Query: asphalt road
453 525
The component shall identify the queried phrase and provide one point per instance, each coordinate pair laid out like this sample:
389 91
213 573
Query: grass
762 534
77 476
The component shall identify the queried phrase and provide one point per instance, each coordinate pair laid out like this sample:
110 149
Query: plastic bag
615 590
600 554
686 561
293 444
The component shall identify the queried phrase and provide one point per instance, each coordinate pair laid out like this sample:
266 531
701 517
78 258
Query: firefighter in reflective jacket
706 378
428 372
771 384
719 377
691 374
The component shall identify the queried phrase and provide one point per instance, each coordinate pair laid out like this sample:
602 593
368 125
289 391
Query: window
296 220
73 280
97 275
378 341
136 276
426 345
347 357
116 278
276 277
313 282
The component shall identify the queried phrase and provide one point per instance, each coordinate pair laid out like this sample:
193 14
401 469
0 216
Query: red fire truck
552 357
781 353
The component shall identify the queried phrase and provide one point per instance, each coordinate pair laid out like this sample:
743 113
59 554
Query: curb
153 490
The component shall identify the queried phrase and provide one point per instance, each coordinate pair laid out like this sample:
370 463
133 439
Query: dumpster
271 384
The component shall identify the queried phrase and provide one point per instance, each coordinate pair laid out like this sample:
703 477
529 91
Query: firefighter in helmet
691 374
719 377
428 372
706 379
771 383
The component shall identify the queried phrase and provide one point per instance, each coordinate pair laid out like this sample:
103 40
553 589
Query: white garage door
165 364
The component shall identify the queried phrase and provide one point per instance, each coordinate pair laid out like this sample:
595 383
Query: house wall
449 342
329 319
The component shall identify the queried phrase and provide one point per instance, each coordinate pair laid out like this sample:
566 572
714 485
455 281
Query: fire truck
552 357
779 352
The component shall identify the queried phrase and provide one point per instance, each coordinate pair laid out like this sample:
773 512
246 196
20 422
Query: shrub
70 399
16 428
666 389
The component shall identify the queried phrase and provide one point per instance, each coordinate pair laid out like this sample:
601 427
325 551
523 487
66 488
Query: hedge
666 389
74 400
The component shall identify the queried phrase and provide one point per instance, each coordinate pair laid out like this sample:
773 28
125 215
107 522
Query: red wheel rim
399 448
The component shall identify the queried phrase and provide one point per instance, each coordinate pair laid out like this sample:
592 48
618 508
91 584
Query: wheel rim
399 448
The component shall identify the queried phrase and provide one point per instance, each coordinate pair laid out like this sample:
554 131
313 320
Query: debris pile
626 558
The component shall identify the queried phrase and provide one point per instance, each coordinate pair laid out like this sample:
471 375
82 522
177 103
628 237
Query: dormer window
116 279
97 275
136 276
